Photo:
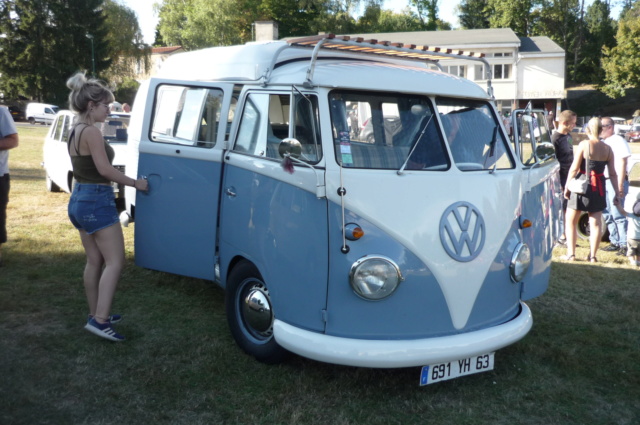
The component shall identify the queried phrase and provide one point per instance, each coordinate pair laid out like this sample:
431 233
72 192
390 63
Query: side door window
531 136
186 115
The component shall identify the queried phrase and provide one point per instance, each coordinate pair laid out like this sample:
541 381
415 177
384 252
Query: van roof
361 64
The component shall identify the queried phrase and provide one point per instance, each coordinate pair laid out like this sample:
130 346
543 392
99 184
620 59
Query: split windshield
405 132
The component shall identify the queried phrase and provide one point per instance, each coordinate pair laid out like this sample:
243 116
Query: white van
56 160
41 112
416 246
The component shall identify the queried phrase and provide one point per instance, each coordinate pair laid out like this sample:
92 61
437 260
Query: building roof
539 45
166 50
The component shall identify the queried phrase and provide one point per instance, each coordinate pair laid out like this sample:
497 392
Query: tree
45 42
126 48
622 62
374 19
519 15
473 14
428 14
600 29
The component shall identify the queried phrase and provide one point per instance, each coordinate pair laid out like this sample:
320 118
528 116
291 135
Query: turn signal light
525 223
353 232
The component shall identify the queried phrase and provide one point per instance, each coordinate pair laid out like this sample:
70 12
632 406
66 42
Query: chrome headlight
520 261
374 277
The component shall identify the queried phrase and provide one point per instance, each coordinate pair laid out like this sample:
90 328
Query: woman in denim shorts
92 208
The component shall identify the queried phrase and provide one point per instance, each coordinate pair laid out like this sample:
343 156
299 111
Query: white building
524 69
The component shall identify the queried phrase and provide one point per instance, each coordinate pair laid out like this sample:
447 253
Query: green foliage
46 41
601 33
126 47
519 15
126 91
622 62
474 14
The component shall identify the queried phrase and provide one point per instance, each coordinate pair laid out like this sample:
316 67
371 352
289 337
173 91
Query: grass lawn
580 364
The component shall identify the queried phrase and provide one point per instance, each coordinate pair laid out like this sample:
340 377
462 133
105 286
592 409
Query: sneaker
114 318
622 251
103 330
610 248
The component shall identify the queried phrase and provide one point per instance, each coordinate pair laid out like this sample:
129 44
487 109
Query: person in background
616 222
600 156
8 140
632 212
563 145
126 108
92 209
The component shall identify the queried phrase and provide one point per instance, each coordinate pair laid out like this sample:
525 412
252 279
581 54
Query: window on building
501 71
479 73
459 70
503 55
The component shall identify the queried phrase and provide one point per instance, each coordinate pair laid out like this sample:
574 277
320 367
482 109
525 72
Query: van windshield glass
473 134
386 131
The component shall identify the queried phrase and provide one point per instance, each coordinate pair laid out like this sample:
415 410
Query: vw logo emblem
462 231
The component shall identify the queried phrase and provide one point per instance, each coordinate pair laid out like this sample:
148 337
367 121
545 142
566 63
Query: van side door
180 153
542 195
272 214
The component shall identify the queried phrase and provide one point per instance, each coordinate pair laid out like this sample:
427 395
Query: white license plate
454 369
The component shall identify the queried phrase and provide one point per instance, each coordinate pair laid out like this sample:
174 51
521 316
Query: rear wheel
32 120
250 314
51 186
583 227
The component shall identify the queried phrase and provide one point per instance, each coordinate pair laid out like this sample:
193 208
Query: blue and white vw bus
359 206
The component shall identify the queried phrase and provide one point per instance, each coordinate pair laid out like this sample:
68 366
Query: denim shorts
92 207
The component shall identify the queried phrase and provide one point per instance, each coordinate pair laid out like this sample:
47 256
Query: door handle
231 192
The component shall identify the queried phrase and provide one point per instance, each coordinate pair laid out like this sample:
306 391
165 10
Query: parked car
41 112
16 113
56 160
633 135
392 126
620 126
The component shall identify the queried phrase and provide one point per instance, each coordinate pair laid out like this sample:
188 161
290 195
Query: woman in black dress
594 201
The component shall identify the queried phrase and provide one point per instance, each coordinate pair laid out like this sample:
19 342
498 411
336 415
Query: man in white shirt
616 222
8 140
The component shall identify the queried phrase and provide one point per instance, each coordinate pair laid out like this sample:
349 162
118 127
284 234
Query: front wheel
250 314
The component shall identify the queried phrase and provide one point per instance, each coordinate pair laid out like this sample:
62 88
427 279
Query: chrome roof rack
387 49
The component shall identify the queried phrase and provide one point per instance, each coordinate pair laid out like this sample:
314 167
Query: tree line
43 42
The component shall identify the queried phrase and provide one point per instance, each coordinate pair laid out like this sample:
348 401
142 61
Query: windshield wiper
424 130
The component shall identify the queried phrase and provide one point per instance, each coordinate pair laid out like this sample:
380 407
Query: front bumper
401 353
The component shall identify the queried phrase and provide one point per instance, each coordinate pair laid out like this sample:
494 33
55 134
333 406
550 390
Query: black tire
51 186
253 333
32 120
584 231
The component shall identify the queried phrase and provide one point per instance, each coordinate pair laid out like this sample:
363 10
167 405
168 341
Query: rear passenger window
186 115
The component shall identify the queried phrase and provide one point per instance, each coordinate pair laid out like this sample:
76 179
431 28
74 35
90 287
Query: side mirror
545 151
291 147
